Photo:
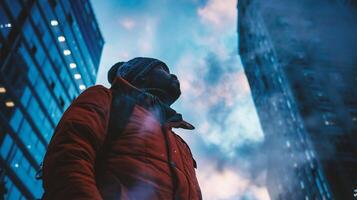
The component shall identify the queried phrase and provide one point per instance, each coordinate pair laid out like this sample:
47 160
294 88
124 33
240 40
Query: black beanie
135 68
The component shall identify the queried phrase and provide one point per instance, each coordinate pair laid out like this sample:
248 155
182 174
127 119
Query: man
117 143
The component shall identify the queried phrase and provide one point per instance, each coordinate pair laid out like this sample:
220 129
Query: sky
197 39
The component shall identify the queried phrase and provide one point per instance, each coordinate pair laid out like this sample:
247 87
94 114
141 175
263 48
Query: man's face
159 78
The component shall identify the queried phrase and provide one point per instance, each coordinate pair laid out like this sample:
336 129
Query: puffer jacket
118 143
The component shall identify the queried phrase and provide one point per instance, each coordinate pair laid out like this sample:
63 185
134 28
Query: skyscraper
300 60
50 52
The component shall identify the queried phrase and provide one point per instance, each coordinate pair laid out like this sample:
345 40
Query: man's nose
173 76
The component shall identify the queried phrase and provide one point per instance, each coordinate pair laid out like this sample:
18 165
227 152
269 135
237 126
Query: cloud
228 184
218 13
229 144
127 23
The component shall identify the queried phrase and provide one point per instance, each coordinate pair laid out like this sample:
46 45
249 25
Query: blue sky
198 41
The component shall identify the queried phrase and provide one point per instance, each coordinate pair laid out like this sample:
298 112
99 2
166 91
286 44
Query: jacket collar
167 116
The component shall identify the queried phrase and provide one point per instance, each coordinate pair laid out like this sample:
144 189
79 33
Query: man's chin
174 95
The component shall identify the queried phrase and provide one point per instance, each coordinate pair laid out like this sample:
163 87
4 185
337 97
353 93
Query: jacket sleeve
68 167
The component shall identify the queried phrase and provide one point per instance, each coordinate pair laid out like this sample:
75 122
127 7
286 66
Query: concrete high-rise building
49 52
301 63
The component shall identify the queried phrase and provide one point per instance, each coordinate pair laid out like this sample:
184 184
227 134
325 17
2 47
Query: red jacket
145 160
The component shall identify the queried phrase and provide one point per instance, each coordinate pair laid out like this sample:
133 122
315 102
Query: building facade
299 58
49 52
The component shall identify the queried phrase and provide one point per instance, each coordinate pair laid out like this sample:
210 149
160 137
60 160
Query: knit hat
134 69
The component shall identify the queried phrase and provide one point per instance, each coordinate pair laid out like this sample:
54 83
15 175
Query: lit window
280 80
312 154
329 118
328 123
312 166
82 87
9 104
54 22
77 76
307 155
67 52
302 185
8 25
61 38
72 65
2 90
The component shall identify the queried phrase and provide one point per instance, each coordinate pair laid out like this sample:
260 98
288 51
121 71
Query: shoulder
97 95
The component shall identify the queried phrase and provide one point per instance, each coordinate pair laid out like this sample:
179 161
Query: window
35 112
4 20
54 22
25 96
52 85
307 155
61 102
6 146
309 76
77 76
13 191
69 19
33 72
66 52
329 118
15 7
53 3
16 119
302 185
24 133
42 91
82 87
61 38
354 116
321 96
35 14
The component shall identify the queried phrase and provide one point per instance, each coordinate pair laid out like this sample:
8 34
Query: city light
77 76
2 90
72 65
61 38
66 52
8 25
9 104
82 87
54 22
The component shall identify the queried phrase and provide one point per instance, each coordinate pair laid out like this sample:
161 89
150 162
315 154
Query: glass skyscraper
300 60
49 52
